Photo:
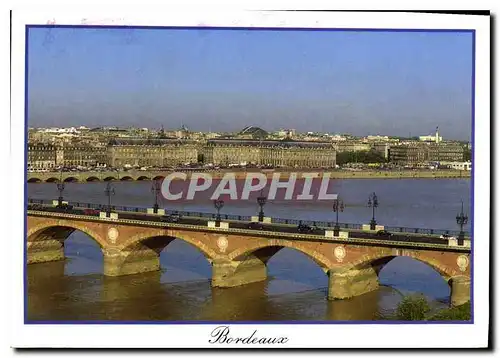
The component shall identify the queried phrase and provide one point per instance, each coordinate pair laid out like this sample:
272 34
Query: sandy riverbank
365 174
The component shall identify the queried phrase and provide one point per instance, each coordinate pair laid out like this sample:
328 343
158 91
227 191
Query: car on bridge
90 212
384 233
255 225
303 228
172 218
35 206
64 207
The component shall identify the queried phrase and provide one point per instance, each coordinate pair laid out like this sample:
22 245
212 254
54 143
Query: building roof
270 143
256 132
152 141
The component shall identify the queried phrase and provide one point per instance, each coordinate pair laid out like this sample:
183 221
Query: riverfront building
41 156
418 153
151 152
276 153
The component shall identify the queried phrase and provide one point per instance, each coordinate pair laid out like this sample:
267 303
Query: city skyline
362 83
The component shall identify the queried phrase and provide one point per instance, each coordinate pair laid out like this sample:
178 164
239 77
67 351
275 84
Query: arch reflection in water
182 262
83 255
291 271
409 275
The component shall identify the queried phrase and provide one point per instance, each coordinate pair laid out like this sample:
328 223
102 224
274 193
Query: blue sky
394 83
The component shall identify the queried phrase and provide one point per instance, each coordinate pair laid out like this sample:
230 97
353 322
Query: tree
362 156
467 155
412 308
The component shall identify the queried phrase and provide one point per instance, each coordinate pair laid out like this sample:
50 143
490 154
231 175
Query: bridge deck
269 230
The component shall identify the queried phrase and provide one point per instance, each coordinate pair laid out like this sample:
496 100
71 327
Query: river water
296 287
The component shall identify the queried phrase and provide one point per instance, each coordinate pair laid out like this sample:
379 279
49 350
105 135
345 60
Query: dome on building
255 132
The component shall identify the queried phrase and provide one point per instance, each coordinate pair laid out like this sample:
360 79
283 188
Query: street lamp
373 203
156 189
338 205
218 204
108 192
60 188
462 220
261 200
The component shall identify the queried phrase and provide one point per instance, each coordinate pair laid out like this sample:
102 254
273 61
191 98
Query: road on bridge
234 224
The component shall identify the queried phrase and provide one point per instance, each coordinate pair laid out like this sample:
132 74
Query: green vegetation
459 313
467 155
412 308
416 308
365 157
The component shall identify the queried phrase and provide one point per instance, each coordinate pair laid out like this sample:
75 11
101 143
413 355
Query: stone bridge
52 177
239 256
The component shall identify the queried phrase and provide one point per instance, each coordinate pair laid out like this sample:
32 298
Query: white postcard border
303 336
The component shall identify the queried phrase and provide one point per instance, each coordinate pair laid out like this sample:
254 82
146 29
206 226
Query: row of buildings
112 147
227 152
175 152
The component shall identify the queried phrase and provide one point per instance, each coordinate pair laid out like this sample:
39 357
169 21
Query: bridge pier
120 263
226 273
344 284
460 290
45 251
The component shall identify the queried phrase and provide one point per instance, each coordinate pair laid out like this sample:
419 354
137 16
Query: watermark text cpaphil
180 186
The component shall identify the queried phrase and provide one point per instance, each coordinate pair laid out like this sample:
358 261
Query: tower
437 134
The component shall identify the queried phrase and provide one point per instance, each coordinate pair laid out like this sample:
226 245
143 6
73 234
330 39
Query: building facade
226 152
41 156
82 155
151 152
49 157
418 153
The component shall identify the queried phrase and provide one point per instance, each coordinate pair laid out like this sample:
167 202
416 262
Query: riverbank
361 174
83 177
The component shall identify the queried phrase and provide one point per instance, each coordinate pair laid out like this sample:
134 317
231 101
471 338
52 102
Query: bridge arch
109 178
264 252
377 262
159 177
61 231
45 242
51 180
126 178
34 180
92 178
152 243
143 177
70 180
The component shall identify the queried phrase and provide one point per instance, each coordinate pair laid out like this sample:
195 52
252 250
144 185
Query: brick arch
34 233
71 179
134 243
444 270
318 258
142 177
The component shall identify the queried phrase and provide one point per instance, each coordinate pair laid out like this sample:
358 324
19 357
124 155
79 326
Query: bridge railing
423 231
324 224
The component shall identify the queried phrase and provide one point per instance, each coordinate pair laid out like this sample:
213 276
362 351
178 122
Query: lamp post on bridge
218 204
108 192
156 189
338 205
60 187
261 200
373 203
462 220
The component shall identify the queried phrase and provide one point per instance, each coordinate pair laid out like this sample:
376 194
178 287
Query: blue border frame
324 322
